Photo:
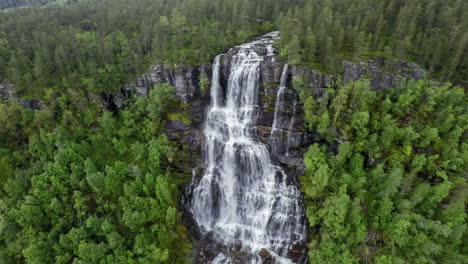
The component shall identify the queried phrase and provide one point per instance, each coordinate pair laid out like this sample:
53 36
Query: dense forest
98 189
431 33
394 189
385 179
89 46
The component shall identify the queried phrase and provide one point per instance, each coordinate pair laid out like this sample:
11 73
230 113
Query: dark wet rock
291 160
263 133
32 104
225 69
208 248
8 92
296 253
185 80
175 127
381 76
193 139
266 118
317 81
190 139
197 110
293 173
265 256
198 172
262 51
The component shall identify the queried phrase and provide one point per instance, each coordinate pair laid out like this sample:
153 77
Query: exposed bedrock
186 81
8 92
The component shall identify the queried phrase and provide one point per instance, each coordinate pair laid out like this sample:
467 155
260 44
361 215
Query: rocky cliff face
8 92
381 77
186 81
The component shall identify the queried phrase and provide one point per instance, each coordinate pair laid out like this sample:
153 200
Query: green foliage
394 189
385 181
432 33
101 45
101 190
204 83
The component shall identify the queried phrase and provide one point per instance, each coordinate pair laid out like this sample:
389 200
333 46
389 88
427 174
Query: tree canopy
385 181
88 186
385 176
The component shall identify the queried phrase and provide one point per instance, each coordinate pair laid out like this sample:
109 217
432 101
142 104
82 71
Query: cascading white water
214 89
280 97
243 197
279 145
283 123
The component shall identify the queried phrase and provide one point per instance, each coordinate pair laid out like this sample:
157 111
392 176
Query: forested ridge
385 177
431 33
88 46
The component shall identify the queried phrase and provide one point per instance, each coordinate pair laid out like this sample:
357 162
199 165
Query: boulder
265 256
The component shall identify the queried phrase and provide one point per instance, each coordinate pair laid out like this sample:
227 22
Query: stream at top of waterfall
243 200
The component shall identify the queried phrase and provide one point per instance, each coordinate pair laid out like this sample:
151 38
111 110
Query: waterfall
214 89
280 98
278 146
243 198
283 122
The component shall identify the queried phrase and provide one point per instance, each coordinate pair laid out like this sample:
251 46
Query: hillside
234 131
